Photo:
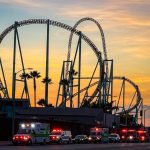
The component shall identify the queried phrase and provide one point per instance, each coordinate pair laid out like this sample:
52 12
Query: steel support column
79 69
4 78
100 82
14 79
47 64
23 67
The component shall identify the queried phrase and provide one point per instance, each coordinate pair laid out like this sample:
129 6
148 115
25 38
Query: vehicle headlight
23 125
90 138
57 137
33 125
130 137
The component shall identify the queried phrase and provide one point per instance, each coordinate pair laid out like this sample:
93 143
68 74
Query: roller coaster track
53 23
85 38
138 93
102 37
138 98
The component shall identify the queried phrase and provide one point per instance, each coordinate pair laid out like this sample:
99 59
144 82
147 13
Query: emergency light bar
57 130
28 125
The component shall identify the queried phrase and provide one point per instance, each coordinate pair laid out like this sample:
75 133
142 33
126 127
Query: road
110 146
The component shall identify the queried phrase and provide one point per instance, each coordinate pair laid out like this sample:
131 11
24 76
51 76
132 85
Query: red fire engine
133 135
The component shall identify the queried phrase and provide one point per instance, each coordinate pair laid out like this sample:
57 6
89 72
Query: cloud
22 3
121 12
126 24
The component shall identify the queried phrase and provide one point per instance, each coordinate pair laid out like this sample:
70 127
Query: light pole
144 115
23 70
14 97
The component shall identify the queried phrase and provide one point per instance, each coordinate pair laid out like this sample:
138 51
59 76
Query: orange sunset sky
126 25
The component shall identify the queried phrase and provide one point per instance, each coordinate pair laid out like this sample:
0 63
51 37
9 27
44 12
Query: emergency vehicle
60 136
98 135
133 135
123 135
142 136
30 133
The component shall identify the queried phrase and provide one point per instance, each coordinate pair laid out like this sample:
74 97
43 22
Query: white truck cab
60 136
29 133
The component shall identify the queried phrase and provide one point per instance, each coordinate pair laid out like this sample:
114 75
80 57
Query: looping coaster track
97 52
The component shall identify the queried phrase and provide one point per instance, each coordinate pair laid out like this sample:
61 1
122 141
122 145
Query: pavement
7 145
4 143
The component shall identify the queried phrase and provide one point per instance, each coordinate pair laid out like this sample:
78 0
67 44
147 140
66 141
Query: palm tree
48 81
86 104
73 72
24 76
43 103
34 75
65 84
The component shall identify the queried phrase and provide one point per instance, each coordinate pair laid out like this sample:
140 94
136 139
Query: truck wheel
29 142
60 141
70 141
44 142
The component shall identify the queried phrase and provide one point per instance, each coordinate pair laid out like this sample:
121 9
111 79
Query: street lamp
23 70
19 80
13 98
144 115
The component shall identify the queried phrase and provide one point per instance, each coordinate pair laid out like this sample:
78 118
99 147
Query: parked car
80 139
114 137
105 137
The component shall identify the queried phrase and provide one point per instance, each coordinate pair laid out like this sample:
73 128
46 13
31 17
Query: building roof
75 115
47 111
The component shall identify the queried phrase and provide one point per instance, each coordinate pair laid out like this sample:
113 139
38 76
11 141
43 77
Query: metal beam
47 64
23 68
4 77
14 79
85 95
79 69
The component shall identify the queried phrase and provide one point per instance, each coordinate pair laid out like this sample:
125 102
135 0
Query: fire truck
133 135
142 136
98 135
30 133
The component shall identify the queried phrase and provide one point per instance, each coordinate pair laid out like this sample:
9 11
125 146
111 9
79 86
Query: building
78 120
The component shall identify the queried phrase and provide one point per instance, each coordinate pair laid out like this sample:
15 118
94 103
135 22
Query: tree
86 103
47 80
34 75
24 76
73 72
65 84
42 102
94 105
